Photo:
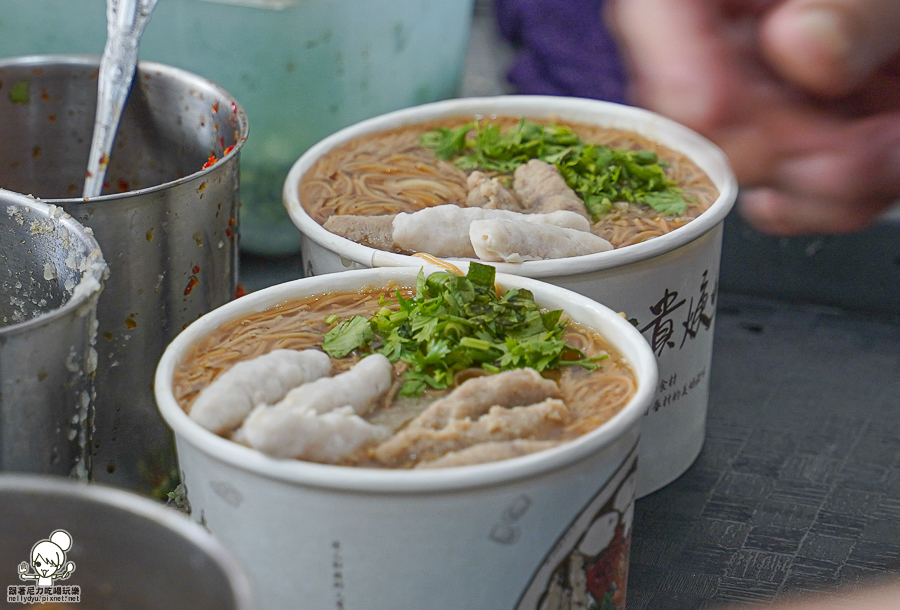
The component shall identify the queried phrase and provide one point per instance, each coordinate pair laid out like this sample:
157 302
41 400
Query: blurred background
306 68
301 69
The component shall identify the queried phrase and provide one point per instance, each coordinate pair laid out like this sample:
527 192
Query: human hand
802 95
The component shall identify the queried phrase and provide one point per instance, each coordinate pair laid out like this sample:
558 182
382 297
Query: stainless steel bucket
51 274
126 551
166 223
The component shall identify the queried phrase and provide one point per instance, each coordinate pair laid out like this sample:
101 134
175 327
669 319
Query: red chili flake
106 185
233 108
195 270
88 174
52 118
44 95
239 291
104 160
192 281
229 232
228 150
123 186
209 162
216 107
222 142
232 221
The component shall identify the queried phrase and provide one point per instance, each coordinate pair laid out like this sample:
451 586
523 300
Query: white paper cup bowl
666 285
482 536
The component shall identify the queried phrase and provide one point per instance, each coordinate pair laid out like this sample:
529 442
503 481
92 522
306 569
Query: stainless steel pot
51 274
127 551
166 223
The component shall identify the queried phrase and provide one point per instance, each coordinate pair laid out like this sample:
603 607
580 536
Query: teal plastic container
301 69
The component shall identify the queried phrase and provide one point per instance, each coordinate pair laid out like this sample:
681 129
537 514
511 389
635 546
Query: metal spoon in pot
125 23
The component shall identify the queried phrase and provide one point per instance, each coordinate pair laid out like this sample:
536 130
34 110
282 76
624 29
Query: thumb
831 46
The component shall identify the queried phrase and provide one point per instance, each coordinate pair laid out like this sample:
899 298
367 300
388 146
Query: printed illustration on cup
588 566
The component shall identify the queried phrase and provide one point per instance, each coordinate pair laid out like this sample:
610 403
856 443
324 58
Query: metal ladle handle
125 23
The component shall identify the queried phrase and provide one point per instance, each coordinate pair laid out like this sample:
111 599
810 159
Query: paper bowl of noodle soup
355 522
660 270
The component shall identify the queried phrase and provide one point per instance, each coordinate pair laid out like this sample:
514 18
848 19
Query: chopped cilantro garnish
456 322
599 174
347 336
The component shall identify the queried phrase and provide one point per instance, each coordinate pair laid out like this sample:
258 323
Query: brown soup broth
592 397
391 172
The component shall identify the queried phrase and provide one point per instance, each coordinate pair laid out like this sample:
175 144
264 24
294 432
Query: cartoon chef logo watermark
48 565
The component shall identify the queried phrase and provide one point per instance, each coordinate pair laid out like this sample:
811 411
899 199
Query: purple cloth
563 48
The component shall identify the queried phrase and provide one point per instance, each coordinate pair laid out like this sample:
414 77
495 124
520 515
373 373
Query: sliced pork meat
544 190
497 425
223 404
489 452
372 231
501 240
473 398
490 194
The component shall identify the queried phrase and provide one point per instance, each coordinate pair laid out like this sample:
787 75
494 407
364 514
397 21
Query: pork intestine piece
320 421
443 230
360 387
501 240
543 190
490 194
223 404
303 434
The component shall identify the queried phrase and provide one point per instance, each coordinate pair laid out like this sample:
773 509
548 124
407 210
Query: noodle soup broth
394 531
665 285
482 414
395 171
